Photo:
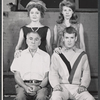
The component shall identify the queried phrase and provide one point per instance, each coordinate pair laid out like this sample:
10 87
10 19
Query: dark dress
42 31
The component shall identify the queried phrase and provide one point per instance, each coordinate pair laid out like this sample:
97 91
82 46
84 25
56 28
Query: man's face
69 40
33 40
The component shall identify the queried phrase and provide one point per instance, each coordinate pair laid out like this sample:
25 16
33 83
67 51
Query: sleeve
53 73
86 77
16 65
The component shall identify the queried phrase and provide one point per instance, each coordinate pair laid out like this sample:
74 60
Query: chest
42 31
29 62
61 27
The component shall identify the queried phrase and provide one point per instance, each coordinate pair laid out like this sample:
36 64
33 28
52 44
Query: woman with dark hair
36 10
68 18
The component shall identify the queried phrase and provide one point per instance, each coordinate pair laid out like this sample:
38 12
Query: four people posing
69 71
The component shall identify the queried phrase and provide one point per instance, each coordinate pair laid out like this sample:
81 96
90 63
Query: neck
32 50
71 48
67 22
35 24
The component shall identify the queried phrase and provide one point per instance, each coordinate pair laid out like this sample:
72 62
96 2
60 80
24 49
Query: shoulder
77 26
45 27
25 26
24 52
43 53
80 25
58 25
55 55
82 52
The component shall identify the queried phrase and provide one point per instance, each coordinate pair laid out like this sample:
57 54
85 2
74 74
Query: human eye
31 12
66 37
37 12
70 10
65 10
30 38
37 39
72 37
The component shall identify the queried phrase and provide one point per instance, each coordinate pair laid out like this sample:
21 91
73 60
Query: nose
69 40
33 41
67 11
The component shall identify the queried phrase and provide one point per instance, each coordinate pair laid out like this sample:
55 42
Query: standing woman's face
67 12
35 14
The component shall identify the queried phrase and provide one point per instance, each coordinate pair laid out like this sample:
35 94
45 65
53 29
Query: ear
26 41
63 38
40 42
75 38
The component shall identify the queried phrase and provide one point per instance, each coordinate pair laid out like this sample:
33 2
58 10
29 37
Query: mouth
34 18
32 45
67 15
69 44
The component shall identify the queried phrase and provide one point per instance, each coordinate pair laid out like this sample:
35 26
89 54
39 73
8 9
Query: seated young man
69 73
31 70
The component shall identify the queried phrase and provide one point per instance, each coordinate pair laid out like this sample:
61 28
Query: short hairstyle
70 4
70 30
40 5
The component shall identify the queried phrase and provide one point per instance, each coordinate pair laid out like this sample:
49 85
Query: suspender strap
75 66
66 62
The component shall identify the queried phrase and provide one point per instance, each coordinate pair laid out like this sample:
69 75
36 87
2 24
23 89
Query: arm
86 77
20 82
19 44
20 40
46 71
55 37
81 34
45 80
53 73
48 40
85 80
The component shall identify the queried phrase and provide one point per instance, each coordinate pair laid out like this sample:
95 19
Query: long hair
70 4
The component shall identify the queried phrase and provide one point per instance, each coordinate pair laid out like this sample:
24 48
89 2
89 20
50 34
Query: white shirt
31 67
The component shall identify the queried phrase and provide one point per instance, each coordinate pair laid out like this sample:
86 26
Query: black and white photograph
50 50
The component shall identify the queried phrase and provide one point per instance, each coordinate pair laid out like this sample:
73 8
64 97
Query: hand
17 53
81 89
57 88
35 88
29 90
57 50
